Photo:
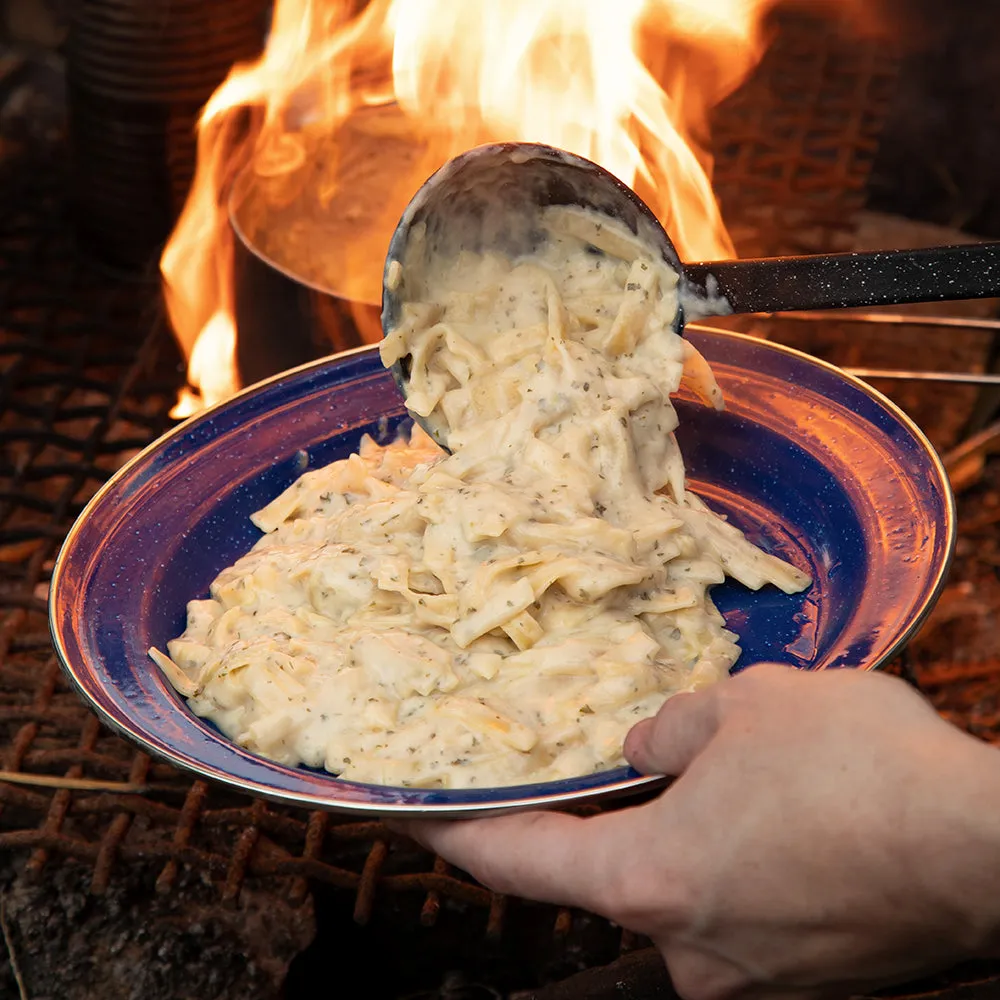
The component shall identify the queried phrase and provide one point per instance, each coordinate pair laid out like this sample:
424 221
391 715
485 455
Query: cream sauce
505 613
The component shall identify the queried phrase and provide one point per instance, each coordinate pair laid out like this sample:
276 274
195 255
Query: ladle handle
845 280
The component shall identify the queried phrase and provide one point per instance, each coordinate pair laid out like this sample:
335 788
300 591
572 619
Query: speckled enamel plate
812 464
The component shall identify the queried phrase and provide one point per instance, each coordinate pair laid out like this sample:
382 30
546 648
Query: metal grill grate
794 144
88 375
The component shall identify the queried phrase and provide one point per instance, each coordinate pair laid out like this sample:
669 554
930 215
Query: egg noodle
504 613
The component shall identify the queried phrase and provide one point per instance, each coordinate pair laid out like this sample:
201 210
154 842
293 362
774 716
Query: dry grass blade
74 784
15 968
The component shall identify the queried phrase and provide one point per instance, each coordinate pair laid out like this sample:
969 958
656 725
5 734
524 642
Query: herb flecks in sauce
505 613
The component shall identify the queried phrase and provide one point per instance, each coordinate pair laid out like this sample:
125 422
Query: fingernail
635 740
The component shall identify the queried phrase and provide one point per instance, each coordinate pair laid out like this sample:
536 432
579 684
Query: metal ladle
488 199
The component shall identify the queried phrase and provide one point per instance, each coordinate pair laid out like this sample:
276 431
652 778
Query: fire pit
115 863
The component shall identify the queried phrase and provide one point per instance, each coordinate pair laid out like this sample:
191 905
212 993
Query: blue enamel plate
812 464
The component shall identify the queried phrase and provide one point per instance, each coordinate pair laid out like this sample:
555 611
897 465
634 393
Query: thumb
546 856
670 741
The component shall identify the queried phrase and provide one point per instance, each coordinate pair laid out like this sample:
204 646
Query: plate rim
626 785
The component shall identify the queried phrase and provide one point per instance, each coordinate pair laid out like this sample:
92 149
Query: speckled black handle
782 284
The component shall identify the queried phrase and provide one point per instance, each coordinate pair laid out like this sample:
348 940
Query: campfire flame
343 86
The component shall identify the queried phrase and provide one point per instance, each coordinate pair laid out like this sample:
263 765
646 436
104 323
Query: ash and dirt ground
134 944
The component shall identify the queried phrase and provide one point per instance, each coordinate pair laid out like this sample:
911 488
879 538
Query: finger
695 973
700 970
683 727
546 856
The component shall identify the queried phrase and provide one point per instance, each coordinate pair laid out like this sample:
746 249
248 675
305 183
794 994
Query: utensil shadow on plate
811 463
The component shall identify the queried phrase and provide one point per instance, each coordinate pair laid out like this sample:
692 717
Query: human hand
827 832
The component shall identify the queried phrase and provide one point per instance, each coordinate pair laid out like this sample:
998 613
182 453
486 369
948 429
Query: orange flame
346 113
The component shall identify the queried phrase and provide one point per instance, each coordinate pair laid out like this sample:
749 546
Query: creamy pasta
504 613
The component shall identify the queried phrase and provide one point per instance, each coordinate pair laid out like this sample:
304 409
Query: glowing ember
346 113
